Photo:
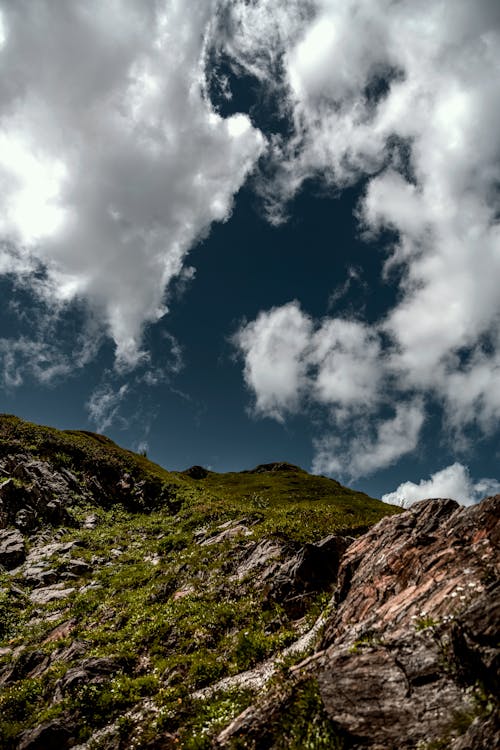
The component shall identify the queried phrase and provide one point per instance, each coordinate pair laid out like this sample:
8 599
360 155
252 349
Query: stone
51 735
89 671
259 561
27 664
413 632
226 534
77 566
12 548
50 593
311 570
38 575
91 521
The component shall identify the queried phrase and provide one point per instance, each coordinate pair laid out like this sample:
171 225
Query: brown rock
410 654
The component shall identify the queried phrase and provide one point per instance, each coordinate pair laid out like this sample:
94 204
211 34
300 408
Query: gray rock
261 557
89 671
312 570
227 534
77 566
51 735
91 521
38 575
12 548
50 593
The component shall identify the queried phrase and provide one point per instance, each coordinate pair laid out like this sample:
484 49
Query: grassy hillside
154 581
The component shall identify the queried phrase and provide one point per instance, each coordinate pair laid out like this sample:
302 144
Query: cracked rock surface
410 652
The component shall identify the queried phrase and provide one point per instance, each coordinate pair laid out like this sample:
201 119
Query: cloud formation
112 160
407 97
454 481
112 168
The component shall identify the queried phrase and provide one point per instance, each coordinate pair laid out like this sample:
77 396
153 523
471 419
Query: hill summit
269 608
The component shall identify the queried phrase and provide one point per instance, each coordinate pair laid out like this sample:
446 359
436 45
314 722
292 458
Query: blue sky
234 233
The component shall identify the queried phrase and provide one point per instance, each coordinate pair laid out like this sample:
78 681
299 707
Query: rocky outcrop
311 570
33 493
409 656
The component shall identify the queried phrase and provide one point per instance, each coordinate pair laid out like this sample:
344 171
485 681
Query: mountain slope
127 590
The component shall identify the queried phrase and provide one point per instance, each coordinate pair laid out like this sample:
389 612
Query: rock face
409 656
313 569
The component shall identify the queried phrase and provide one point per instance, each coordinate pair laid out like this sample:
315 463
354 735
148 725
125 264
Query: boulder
12 548
51 735
311 570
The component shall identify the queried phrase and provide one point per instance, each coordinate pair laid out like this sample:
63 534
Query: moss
304 724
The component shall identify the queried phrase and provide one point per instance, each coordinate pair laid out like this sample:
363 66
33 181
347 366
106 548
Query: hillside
160 583
141 608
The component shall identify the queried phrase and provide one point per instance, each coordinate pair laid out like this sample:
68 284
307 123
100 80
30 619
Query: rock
25 520
260 558
51 735
36 493
12 548
27 664
75 650
38 575
480 735
230 532
77 566
61 631
312 570
88 671
12 499
50 593
91 521
413 637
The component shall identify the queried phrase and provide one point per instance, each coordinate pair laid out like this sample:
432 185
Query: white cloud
293 364
112 168
104 404
347 355
454 481
289 360
274 347
369 447
112 161
407 96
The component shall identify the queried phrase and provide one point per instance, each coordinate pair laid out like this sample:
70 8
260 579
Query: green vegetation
306 725
172 612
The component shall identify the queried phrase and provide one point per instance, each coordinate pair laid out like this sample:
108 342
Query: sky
242 231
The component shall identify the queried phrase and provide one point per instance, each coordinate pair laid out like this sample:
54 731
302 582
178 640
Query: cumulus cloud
290 360
274 347
293 364
112 160
370 446
454 481
406 97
